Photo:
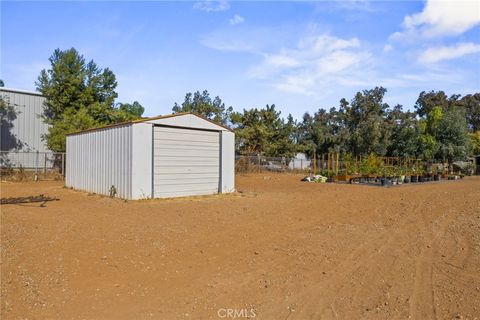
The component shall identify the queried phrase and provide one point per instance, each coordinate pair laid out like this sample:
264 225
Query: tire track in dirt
454 265
422 305
457 272
317 302
462 251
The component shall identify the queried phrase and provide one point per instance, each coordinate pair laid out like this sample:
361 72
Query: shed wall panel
228 162
142 145
98 160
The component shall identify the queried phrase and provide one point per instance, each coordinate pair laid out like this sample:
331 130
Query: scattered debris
18 200
316 178
112 192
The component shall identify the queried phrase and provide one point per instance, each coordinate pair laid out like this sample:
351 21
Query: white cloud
211 5
311 62
280 60
326 43
236 19
233 44
441 18
256 40
356 5
301 82
387 48
339 61
317 62
437 54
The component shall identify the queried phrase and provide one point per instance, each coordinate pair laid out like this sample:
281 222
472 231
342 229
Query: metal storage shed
171 156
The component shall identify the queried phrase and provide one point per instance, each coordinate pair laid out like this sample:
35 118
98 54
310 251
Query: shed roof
152 119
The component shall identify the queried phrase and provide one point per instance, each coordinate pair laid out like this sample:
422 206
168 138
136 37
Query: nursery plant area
384 171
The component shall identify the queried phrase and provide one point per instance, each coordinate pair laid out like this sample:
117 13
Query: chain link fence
251 164
25 165
247 164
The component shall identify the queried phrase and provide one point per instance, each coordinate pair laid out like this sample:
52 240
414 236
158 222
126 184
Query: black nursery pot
406 180
414 179
421 179
436 177
382 181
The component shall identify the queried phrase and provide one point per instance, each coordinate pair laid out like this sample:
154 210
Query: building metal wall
27 127
98 160
24 132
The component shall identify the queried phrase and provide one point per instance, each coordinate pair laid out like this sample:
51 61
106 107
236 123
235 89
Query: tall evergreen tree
202 104
79 95
262 131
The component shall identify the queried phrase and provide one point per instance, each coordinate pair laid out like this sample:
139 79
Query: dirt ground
278 249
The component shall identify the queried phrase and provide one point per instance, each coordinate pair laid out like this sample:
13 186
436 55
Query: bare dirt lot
278 249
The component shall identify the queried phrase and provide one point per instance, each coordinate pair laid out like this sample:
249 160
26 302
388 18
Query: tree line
439 127
80 95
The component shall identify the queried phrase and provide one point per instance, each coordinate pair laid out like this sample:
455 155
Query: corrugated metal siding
24 133
28 127
100 159
228 162
186 162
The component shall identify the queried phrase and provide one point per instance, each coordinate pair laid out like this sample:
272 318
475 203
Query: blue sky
299 55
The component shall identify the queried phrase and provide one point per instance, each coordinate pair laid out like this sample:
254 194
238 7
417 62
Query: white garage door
186 162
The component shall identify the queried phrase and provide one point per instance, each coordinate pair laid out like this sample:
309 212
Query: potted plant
401 174
436 175
382 172
430 173
371 167
408 174
421 177
414 175
389 175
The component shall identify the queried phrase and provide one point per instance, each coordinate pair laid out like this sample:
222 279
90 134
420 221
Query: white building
170 156
300 162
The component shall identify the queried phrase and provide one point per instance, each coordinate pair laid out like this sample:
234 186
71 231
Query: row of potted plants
373 167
